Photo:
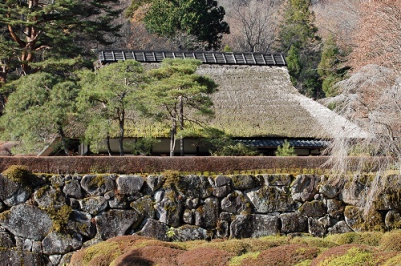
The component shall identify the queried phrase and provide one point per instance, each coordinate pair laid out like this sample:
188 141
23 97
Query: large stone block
117 222
393 220
206 215
189 233
329 191
97 184
305 187
354 191
56 243
26 221
169 207
81 223
93 205
243 182
193 186
316 227
271 199
236 203
339 228
258 225
154 229
73 189
265 225
293 223
314 209
129 184
47 197
145 206
277 180
241 227
335 208
359 220
21 258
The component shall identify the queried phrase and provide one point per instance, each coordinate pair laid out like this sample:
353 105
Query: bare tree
371 98
378 38
253 24
337 18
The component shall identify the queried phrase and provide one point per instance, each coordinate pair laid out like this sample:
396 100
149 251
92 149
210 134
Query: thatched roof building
255 101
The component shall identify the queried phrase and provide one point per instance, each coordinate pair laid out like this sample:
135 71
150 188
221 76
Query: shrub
285 149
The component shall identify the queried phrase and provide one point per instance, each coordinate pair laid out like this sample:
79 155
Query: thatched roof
261 101
254 99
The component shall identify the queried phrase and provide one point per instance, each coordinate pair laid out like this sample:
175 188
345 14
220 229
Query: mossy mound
20 174
378 249
363 238
345 255
290 254
391 241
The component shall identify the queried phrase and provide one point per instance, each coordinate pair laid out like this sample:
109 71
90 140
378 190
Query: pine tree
110 94
330 69
177 94
40 109
298 39
36 30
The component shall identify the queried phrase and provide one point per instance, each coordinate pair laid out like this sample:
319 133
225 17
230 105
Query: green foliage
223 145
202 19
142 146
179 95
329 68
53 30
40 109
19 174
298 39
285 149
231 148
227 49
107 97
293 63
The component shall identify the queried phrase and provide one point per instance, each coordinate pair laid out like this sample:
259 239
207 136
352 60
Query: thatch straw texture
261 101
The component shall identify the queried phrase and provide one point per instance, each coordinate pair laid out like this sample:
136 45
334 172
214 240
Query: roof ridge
206 57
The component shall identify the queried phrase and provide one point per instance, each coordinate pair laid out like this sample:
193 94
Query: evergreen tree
107 97
285 149
39 110
330 69
36 30
177 94
193 20
298 39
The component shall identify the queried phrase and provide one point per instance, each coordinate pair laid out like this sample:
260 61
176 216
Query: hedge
152 164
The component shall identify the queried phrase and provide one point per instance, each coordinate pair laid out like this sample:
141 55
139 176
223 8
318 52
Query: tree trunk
172 136
181 126
63 141
108 144
121 140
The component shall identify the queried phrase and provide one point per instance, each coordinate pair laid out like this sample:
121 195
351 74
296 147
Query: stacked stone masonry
44 222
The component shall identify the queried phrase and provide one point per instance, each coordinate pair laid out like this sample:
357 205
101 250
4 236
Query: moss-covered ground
368 248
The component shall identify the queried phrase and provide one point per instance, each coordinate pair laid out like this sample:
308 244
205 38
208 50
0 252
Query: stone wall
45 218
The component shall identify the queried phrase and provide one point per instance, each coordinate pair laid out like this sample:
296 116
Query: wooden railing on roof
109 56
